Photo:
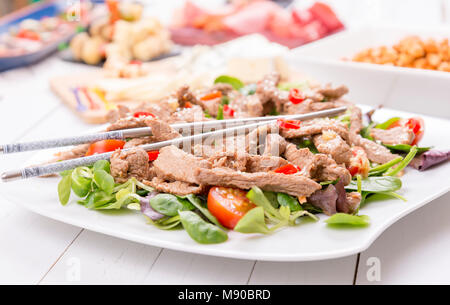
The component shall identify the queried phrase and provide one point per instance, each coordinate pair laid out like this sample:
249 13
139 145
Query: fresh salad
276 176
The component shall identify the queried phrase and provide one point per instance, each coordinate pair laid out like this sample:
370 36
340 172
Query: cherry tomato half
288 124
228 205
287 169
417 126
296 96
143 114
153 155
103 146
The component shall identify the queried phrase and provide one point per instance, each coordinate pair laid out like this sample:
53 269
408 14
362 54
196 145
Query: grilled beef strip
315 126
132 163
179 188
174 164
330 143
295 185
319 167
396 135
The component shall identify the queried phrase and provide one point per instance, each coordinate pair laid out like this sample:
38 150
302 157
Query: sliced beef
119 113
184 94
139 141
255 139
256 163
325 199
225 89
267 91
275 145
375 152
333 93
319 167
233 160
188 115
396 135
76 152
325 169
356 123
316 126
131 163
253 106
126 123
161 131
176 187
162 109
307 106
332 144
173 164
295 185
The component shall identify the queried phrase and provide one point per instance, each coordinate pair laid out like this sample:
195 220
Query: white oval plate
307 242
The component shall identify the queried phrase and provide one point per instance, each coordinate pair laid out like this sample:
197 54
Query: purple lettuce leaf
430 158
146 208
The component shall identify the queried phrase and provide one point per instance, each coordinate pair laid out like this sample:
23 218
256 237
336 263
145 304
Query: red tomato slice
417 125
288 124
228 205
143 114
104 146
153 155
287 169
296 96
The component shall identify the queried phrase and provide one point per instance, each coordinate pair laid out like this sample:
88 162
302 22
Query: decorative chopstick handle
37 145
42 170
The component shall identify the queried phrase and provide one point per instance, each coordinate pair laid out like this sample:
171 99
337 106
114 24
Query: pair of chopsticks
241 125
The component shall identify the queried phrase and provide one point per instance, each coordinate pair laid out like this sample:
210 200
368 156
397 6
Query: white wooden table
37 250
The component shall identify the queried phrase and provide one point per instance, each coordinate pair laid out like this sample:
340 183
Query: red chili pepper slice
296 96
143 114
153 155
288 124
353 170
228 110
135 62
287 169
211 96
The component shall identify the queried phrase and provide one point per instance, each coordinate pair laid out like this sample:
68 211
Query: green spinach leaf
104 181
169 205
376 184
347 219
289 201
200 230
64 189
253 222
233 81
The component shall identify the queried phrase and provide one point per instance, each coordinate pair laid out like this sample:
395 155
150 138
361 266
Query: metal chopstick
52 168
140 132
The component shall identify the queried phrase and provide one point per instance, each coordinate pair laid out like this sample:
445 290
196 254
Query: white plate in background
408 89
307 242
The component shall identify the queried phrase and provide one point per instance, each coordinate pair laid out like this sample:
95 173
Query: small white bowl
408 89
